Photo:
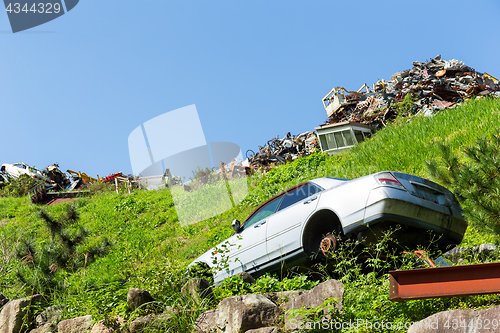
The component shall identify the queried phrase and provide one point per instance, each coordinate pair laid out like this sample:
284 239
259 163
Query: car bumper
388 206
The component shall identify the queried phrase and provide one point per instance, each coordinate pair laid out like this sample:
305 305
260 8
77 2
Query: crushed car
17 169
308 220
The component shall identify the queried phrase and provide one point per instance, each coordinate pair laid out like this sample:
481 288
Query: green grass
150 247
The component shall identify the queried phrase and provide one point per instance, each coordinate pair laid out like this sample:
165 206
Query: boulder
459 321
108 326
207 322
265 330
246 277
46 321
142 324
199 289
313 298
281 298
239 314
51 314
460 252
15 316
137 297
318 295
75 325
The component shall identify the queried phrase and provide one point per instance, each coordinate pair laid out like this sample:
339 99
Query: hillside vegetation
150 250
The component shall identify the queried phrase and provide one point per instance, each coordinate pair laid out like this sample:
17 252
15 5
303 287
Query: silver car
309 219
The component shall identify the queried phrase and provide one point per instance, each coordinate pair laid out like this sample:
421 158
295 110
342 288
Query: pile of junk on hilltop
433 85
51 179
354 116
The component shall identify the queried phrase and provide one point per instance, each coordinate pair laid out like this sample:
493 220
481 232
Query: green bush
473 174
18 187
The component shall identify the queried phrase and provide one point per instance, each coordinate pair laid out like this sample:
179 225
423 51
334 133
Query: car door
284 227
251 250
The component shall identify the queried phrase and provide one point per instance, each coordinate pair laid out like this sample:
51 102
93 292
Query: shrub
474 176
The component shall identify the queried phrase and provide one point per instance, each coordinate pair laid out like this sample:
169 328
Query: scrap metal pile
434 85
51 179
279 151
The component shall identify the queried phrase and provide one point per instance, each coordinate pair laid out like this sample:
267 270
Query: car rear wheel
323 230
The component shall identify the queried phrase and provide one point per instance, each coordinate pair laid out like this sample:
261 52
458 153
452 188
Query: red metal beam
445 282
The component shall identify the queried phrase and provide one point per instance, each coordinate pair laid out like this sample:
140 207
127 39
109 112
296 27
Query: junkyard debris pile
434 85
279 151
51 179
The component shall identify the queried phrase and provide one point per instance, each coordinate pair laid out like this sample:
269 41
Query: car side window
298 195
264 212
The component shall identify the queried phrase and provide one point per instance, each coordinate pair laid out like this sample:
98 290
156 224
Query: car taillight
387 179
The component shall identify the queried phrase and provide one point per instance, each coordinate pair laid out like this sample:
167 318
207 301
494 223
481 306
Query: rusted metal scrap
435 85
279 151
57 178
450 281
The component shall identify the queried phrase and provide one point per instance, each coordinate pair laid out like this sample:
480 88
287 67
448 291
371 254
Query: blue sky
73 89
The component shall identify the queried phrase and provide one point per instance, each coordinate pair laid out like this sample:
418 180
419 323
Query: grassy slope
150 248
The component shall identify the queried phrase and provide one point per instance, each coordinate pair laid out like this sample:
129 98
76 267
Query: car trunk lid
425 189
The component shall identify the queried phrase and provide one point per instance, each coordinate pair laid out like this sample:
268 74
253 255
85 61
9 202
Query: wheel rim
328 245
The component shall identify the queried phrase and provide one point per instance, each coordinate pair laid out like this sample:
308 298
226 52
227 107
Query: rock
15 315
46 321
460 252
459 321
108 326
137 297
46 328
282 297
149 322
51 314
199 289
246 277
75 325
265 330
238 314
318 295
313 299
3 300
207 322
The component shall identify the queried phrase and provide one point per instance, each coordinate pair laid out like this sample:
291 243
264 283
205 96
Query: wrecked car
17 169
308 220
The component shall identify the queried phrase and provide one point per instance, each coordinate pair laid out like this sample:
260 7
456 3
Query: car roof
323 182
274 197
329 182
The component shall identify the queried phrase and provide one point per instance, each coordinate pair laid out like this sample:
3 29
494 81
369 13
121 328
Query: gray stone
15 316
461 252
265 330
149 322
198 289
207 322
239 314
318 295
246 277
51 315
459 321
108 326
137 297
75 325
312 299
281 298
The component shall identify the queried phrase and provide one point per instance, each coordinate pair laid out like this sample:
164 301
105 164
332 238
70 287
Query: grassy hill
150 249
